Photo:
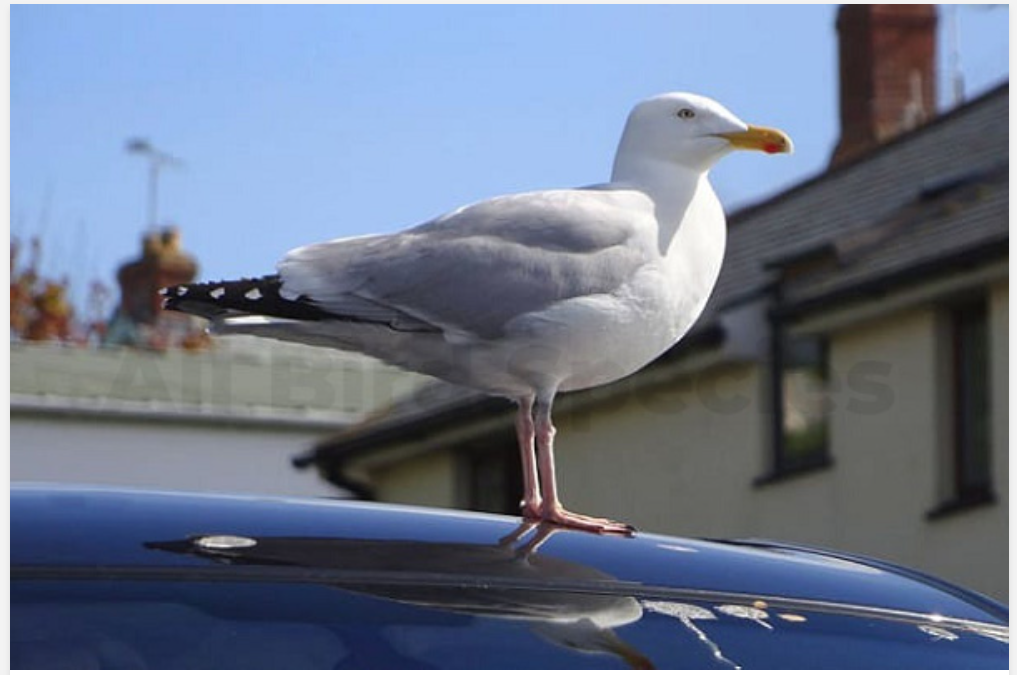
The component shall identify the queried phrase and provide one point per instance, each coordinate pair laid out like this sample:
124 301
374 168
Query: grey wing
477 268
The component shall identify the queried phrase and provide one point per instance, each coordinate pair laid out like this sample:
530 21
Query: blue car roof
65 531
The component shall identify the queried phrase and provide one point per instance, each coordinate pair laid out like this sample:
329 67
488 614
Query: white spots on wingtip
217 293
253 294
181 291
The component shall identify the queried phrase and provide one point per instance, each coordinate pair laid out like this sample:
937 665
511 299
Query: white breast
591 341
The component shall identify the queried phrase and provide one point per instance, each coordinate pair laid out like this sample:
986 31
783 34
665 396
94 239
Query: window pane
805 388
494 477
971 392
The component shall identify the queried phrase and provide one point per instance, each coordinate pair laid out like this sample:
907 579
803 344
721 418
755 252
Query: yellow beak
770 141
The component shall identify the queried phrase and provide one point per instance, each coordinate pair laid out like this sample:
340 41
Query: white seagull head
693 131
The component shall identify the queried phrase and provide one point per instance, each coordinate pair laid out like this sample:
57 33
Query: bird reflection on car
509 579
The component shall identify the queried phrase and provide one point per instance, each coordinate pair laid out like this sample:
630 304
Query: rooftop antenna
157 159
954 67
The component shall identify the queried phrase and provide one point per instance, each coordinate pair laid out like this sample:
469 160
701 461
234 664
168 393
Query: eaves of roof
984 253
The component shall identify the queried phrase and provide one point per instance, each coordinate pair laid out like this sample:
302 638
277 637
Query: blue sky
299 124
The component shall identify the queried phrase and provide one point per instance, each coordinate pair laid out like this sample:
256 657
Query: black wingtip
258 296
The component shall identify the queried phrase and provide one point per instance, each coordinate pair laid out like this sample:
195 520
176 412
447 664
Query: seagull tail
220 300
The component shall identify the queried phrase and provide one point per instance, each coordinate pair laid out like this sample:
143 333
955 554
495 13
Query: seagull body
524 295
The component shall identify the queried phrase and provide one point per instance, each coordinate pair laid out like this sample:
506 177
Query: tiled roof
965 218
859 195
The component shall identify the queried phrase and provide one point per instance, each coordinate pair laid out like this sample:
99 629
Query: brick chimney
162 263
887 74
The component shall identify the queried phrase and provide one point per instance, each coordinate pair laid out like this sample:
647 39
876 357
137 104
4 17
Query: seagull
525 295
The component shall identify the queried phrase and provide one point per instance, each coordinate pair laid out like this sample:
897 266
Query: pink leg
551 508
524 434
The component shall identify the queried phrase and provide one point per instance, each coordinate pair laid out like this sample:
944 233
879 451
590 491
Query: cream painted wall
887 459
199 458
674 459
425 480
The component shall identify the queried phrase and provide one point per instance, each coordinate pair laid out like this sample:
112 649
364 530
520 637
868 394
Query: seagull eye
686 113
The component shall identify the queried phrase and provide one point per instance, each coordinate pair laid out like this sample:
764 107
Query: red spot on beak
771 148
